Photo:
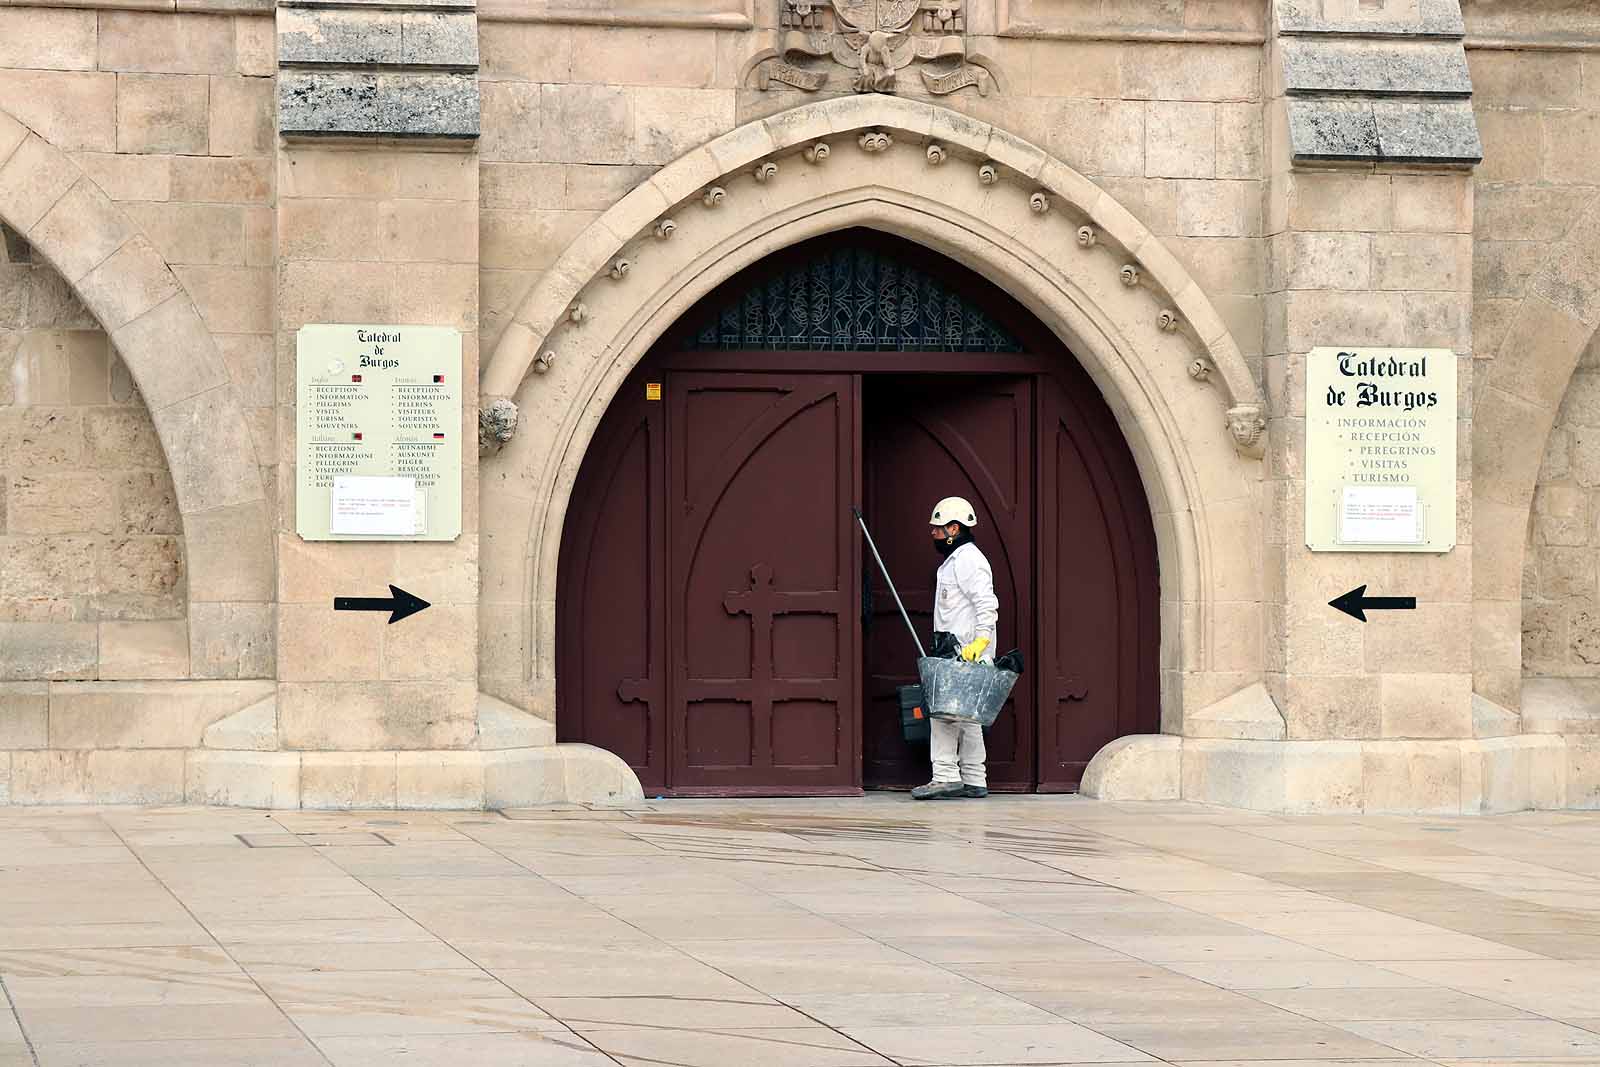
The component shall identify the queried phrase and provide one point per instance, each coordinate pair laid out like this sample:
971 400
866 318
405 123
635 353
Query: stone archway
1059 244
1515 406
153 323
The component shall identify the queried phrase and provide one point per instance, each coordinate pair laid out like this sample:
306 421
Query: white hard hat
953 509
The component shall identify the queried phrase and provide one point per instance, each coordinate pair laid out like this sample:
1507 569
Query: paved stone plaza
797 934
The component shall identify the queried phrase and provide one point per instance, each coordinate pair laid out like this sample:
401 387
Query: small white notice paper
1380 515
372 506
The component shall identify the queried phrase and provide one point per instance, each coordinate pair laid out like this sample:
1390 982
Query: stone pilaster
1369 222
377 221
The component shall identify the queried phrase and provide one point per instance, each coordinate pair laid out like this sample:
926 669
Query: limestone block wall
91 548
1561 570
1536 251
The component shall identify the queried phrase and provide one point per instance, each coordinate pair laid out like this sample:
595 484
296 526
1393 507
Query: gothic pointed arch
1064 248
153 323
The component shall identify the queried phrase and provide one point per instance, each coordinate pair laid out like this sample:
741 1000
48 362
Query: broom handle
890 580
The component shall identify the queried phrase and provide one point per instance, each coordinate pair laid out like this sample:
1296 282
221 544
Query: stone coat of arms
875 39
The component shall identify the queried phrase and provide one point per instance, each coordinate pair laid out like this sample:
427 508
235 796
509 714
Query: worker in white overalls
964 604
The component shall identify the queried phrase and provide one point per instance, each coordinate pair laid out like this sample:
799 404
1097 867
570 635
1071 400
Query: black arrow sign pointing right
401 604
1355 605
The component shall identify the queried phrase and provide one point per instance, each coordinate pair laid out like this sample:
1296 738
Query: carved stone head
1248 428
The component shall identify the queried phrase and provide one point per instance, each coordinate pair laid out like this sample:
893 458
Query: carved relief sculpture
875 39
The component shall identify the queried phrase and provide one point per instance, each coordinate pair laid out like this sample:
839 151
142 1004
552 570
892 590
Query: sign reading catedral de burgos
378 433
1381 450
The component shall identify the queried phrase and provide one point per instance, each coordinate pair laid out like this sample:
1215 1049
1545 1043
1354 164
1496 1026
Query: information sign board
378 433
1380 450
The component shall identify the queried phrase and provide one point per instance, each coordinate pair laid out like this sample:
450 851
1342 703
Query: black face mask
945 546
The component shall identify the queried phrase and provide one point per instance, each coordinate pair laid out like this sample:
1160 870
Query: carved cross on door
764 604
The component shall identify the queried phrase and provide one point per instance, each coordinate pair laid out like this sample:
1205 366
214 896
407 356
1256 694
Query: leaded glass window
852 299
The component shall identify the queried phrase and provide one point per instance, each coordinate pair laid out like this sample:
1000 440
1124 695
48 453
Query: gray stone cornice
365 69
1375 88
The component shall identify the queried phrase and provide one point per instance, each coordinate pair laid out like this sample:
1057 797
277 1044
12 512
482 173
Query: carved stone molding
1087 237
873 141
765 172
665 228
544 362
577 312
1039 202
714 196
1129 274
497 424
936 154
1248 428
988 174
1200 369
870 42
1167 321
818 152
619 269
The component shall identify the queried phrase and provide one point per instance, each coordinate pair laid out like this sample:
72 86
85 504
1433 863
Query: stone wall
1561 573
1537 99
91 546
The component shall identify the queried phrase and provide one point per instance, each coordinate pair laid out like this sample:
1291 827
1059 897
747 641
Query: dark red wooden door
762 609
611 625
926 438
1098 592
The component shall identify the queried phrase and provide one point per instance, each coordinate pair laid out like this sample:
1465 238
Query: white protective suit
963 604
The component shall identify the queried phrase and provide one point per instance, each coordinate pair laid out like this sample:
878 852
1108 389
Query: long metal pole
890 580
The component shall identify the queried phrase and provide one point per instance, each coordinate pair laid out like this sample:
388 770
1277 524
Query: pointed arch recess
154 325
1140 325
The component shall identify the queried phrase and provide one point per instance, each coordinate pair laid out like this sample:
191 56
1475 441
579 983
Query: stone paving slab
801 933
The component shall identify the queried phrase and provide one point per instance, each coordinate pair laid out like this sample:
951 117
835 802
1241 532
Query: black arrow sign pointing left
401 604
1355 605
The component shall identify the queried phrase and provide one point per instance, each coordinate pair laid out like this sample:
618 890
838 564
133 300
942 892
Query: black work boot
975 791
938 791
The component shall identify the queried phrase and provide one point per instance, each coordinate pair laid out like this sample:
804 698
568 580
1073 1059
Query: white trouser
957 750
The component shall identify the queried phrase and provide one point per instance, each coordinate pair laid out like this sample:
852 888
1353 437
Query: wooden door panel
761 580
926 439
610 629
1099 595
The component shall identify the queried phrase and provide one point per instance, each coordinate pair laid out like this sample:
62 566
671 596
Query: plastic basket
965 692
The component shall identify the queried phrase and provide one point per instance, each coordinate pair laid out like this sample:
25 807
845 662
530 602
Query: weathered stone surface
332 36
1250 713
242 779
1432 18
253 728
32 651
1332 130
24 714
1323 65
1140 767
439 39
378 104
501 726
1433 132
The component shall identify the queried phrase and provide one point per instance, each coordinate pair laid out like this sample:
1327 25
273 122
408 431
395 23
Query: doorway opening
719 624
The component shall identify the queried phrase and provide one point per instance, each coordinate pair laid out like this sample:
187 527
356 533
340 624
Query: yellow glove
972 652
